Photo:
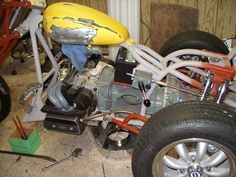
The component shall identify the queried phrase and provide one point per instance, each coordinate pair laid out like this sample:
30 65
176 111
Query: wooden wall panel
145 21
215 16
226 18
207 15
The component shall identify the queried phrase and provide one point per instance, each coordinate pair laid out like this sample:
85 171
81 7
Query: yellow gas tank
72 23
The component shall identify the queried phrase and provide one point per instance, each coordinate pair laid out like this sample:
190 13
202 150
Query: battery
125 63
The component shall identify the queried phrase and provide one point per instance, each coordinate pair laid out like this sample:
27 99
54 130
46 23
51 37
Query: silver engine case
113 96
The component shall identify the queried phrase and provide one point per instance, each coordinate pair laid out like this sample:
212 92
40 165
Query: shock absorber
18 15
206 87
222 91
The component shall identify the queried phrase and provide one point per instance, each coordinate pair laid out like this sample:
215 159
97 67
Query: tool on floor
29 155
19 127
75 153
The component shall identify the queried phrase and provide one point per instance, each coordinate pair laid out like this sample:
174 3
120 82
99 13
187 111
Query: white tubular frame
36 33
148 60
151 61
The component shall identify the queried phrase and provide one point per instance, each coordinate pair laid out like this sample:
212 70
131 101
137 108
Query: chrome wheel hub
194 158
195 171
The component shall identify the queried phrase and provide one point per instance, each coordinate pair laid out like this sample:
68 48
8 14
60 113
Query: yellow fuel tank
72 23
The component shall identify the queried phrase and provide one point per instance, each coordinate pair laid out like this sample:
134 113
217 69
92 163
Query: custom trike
177 107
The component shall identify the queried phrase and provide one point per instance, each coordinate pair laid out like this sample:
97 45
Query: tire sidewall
193 40
154 137
5 100
151 151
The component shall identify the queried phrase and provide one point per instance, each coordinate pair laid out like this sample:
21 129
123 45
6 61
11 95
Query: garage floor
93 162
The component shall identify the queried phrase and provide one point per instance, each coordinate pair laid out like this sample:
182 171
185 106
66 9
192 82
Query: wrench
75 153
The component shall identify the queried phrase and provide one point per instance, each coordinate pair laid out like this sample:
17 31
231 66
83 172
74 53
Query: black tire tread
195 40
5 100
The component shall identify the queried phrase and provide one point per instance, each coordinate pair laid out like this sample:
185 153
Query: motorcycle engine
104 87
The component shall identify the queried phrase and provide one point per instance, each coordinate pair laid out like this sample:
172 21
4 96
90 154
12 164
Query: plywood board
164 24
145 14
215 16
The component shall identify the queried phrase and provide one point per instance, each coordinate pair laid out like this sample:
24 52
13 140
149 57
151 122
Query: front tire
185 137
5 99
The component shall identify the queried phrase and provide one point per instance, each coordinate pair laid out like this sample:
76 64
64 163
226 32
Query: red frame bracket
124 124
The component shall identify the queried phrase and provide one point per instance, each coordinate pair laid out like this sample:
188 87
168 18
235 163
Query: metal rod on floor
29 155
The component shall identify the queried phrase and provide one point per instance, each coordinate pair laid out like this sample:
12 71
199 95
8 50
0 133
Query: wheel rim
194 158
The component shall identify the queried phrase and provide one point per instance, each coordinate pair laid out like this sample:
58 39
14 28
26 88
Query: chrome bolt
212 149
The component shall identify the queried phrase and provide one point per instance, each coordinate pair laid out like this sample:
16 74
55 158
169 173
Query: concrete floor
93 162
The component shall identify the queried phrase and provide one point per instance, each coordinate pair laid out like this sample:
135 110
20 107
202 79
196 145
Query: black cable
233 38
148 29
29 155
230 38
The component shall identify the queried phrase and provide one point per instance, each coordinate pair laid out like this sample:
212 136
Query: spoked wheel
188 139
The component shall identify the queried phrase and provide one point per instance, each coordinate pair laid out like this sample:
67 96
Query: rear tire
5 99
194 40
184 122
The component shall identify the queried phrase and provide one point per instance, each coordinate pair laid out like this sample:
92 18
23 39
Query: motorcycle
178 106
8 40
12 14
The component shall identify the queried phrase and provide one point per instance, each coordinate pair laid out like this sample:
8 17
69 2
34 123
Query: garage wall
215 16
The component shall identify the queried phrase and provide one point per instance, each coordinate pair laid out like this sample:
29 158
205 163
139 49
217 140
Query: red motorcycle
12 13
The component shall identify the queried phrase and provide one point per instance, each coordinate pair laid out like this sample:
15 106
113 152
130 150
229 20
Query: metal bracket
35 114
